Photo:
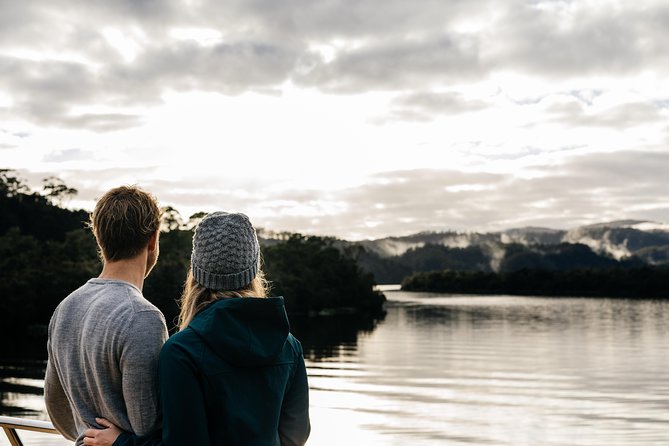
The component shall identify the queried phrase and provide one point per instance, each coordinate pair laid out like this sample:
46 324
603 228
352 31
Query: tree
313 275
10 184
56 191
195 219
164 284
171 219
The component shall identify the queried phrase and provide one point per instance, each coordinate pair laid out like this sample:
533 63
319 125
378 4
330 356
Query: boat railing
12 424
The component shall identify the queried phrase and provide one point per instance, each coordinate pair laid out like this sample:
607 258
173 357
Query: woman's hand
102 437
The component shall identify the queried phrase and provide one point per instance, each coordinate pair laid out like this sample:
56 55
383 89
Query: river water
475 370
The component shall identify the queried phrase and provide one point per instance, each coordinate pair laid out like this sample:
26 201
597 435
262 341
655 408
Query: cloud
584 189
10 139
46 92
91 183
396 64
84 63
229 68
577 114
336 20
544 39
49 92
51 80
558 39
426 106
68 155
57 58
102 122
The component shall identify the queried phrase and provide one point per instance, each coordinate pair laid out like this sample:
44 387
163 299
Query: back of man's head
123 221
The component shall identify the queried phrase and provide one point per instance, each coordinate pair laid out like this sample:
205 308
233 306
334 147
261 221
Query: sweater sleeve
57 405
144 337
294 424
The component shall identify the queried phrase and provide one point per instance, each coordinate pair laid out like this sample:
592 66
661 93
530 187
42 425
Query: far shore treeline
644 282
46 252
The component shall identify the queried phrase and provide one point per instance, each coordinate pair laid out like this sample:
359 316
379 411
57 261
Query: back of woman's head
225 262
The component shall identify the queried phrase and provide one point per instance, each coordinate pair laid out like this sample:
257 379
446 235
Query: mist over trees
555 269
500 258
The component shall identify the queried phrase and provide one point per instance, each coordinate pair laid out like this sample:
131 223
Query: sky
358 119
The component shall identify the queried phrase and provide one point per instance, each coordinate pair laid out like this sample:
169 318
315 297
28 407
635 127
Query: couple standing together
232 375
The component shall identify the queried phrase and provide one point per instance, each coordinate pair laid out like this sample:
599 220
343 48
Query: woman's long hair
195 296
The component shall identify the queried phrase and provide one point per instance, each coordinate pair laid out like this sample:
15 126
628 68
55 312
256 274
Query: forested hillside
47 251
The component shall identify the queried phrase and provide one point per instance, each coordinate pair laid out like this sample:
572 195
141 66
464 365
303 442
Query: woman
233 374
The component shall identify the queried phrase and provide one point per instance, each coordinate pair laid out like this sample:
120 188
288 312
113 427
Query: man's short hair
123 221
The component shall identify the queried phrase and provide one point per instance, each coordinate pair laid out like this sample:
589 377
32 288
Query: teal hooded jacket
234 376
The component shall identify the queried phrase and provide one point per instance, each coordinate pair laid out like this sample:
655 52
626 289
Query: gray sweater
104 341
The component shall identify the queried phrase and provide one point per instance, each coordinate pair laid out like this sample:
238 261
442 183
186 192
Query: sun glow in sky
353 119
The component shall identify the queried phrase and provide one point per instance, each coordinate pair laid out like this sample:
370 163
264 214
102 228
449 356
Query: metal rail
11 424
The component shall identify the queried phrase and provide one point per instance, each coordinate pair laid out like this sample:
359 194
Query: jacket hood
244 331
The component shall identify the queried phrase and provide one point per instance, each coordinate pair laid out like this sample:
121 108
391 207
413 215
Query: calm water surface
475 370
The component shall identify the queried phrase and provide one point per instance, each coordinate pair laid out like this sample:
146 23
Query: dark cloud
558 41
229 68
561 43
50 81
18 21
310 21
392 64
45 92
390 45
70 63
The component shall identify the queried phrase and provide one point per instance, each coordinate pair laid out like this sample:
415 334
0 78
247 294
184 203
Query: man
105 337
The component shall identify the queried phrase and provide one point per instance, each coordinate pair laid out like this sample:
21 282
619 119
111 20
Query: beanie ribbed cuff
231 282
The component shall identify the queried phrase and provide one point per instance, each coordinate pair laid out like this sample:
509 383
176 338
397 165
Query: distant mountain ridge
617 244
618 239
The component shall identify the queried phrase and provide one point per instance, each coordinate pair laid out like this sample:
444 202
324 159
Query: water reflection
503 371
333 336
21 388
463 370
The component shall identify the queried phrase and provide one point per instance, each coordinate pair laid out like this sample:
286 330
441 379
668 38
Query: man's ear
153 241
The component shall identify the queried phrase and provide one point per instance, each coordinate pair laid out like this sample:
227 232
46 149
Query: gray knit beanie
225 251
